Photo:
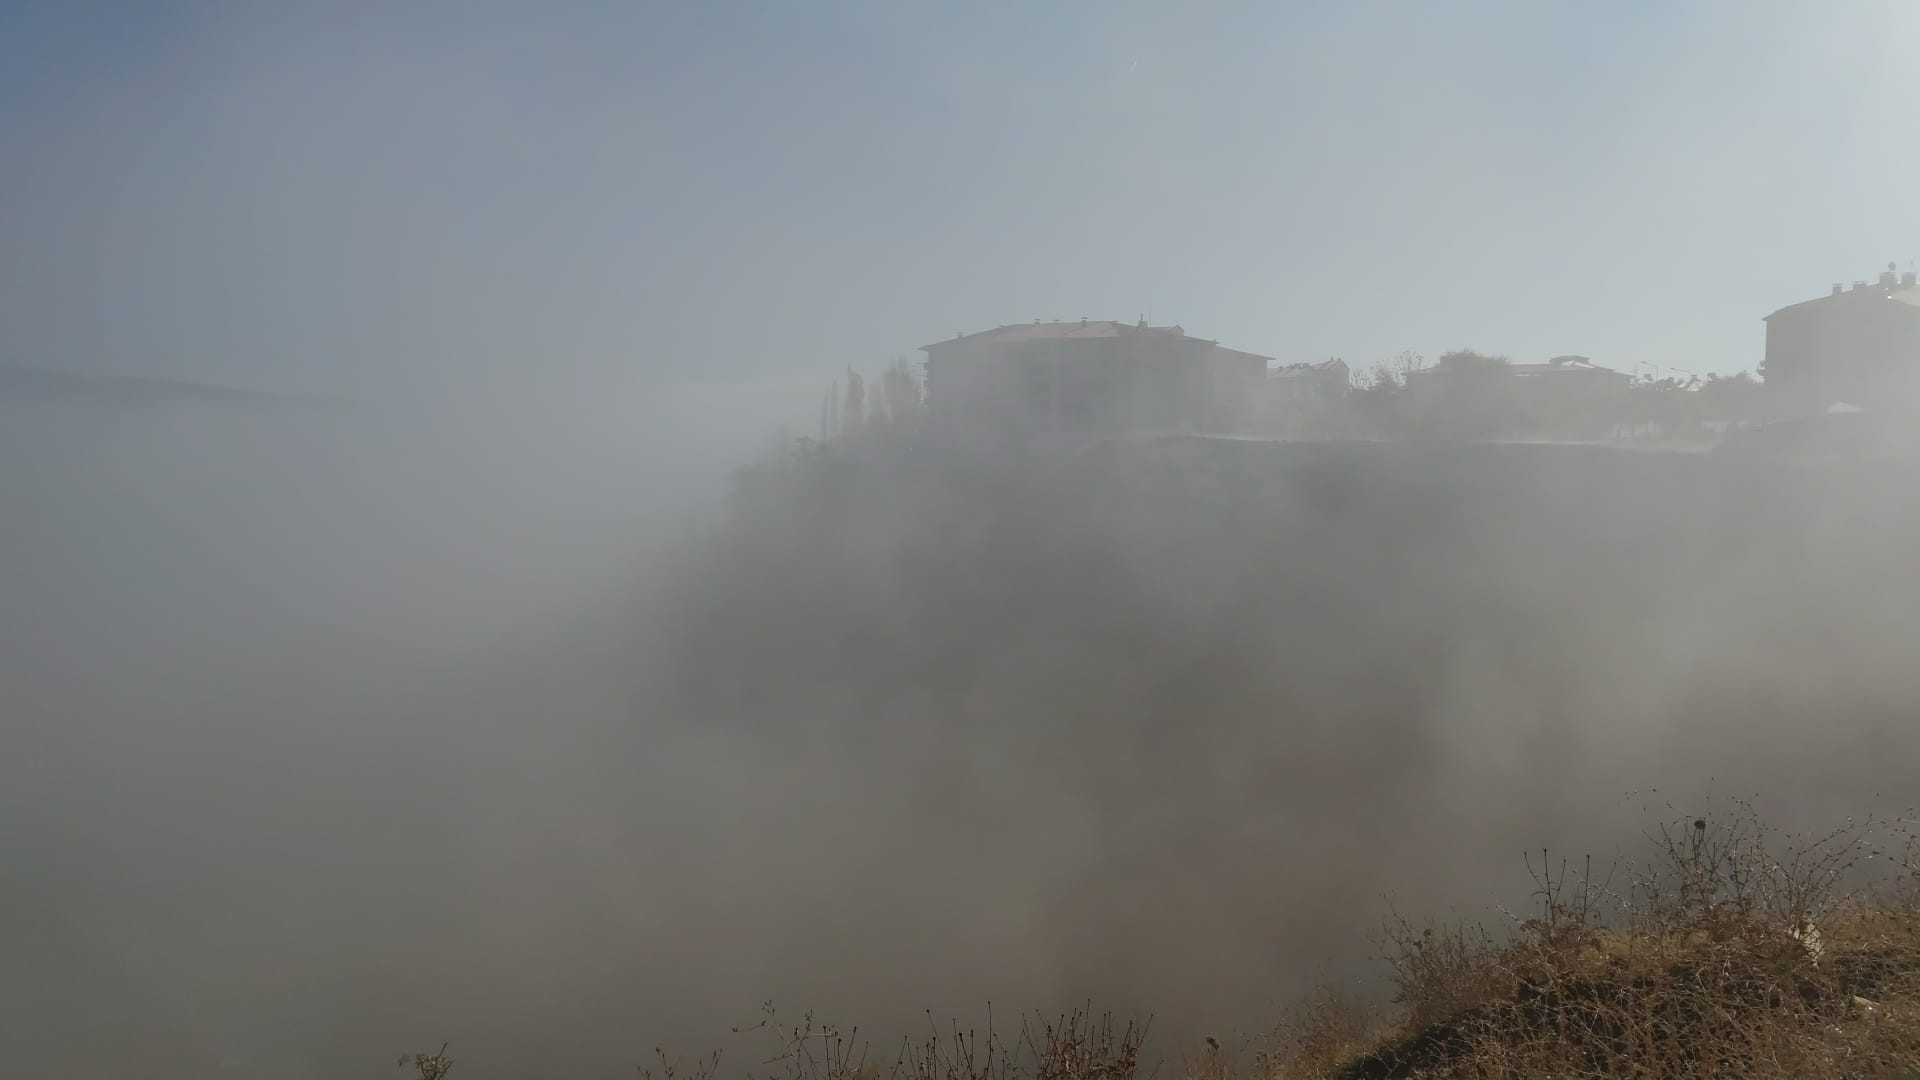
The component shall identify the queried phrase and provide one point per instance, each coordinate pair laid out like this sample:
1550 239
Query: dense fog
437 603
303 703
342 733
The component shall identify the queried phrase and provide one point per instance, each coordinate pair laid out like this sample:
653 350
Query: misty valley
1167 724
861 540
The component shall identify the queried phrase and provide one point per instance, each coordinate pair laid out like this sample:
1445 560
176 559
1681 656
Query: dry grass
1735 953
434 1066
1075 1046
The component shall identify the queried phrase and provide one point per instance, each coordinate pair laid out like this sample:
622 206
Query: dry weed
434 1066
1736 952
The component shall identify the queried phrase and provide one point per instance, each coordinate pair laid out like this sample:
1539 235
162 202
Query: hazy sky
348 198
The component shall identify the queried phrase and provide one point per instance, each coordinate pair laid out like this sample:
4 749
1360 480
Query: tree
894 398
1732 398
854 416
901 391
1472 397
1465 363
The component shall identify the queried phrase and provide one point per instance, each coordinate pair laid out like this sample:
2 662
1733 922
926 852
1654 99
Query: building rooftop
1564 365
1892 285
1014 333
1295 371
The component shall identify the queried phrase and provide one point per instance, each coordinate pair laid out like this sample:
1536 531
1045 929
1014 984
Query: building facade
1306 399
1325 383
1858 346
1066 381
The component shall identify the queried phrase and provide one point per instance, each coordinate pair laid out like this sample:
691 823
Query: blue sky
350 198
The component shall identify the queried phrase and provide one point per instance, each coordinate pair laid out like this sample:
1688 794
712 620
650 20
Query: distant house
1305 399
1308 384
1079 379
1859 345
1568 377
1481 396
1563 378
